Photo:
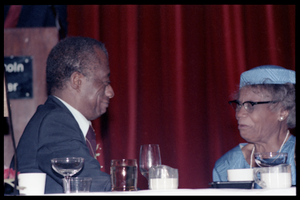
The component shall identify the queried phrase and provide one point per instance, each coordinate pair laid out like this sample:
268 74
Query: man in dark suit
79 87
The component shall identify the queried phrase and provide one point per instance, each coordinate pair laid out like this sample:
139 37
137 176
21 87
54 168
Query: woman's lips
242 126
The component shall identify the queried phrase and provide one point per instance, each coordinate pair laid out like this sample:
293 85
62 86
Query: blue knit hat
267 74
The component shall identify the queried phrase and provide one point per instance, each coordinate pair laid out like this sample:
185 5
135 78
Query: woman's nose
242 112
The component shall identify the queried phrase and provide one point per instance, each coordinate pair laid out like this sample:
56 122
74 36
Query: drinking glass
269 159
149 156
123 174
67 167
79 184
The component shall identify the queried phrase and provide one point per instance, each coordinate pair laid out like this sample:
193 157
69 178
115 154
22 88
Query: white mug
240 174
32 183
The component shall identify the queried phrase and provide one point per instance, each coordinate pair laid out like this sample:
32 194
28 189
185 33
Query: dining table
191 192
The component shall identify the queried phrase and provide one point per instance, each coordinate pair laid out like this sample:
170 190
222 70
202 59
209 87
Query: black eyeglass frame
251 102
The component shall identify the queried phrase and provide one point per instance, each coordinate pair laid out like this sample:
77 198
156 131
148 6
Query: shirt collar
81 120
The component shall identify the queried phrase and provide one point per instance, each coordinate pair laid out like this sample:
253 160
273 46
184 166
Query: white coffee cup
240 174
32 183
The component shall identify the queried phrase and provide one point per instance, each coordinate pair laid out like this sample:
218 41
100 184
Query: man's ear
76 80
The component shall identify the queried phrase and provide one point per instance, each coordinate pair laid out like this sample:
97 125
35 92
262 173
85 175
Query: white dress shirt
81 120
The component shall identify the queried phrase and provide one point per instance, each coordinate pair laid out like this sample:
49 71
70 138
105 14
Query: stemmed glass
67 167
269 159
149 156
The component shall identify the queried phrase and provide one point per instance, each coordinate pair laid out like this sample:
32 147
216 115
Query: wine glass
67 167
149 156
269 159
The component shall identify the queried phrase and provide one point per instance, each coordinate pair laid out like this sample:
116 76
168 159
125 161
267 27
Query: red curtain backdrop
173 69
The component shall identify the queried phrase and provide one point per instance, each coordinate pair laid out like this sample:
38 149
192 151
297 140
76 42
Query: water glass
78 184
123 174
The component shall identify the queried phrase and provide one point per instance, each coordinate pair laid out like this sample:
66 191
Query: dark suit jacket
53 132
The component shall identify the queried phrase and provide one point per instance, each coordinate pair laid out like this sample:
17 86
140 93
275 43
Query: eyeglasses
248 105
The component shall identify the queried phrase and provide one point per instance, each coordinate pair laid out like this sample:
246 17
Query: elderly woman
265 110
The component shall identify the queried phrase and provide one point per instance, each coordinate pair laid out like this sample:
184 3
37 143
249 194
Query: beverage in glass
123 174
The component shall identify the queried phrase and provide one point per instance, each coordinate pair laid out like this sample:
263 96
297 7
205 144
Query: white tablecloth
194 192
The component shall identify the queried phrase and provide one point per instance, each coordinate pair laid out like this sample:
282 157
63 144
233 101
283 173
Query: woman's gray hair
283 93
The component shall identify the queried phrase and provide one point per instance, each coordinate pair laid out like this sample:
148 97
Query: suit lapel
53 100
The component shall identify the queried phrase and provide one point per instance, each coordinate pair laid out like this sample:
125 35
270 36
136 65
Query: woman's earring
281 118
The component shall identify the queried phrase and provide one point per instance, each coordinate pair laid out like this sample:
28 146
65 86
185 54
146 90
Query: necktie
12 17
91 141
